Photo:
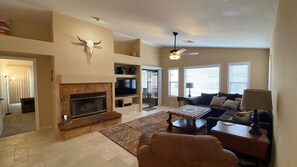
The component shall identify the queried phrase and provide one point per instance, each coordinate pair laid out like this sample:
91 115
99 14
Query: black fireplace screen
87 104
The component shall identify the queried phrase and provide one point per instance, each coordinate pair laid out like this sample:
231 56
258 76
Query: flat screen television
125 86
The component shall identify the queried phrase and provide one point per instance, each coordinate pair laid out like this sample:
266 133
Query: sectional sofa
230 113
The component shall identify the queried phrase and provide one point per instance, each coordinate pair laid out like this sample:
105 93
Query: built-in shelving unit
128 47
125 76
131 101
127 65
125 70
24 34
21 27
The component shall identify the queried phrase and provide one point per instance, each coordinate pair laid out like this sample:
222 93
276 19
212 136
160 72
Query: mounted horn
89 44
97 43
84 41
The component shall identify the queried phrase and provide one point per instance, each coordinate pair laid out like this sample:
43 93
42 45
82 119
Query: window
238 77
173 82
206 79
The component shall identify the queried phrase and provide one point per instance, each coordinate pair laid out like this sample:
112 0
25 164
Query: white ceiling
209 23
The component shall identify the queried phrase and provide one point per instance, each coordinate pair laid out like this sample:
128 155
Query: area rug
127 134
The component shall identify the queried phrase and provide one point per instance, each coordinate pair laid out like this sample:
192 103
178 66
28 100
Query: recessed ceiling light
188 41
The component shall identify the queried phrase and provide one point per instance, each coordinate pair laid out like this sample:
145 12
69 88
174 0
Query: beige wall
28 29
70 58
258 59
126 47
150 55
284 85
45 90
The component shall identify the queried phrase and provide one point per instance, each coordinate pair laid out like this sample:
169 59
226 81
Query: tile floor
47 149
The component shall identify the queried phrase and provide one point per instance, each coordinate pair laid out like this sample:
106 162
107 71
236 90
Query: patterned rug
127 134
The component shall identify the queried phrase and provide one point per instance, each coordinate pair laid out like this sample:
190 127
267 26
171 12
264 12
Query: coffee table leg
194 125
169 128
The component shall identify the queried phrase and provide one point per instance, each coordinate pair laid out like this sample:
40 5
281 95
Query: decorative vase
133 52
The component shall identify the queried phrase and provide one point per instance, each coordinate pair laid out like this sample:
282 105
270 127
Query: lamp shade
189 85
256 99
5 74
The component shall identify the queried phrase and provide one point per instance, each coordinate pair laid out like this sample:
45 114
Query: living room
61 58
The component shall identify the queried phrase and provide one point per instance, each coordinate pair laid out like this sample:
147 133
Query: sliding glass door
149 88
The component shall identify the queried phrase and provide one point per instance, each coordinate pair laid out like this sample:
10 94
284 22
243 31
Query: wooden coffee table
236 137
191 118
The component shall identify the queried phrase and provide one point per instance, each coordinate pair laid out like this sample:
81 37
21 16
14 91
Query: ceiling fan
175 54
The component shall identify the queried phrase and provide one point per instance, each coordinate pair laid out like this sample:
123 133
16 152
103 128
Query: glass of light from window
238 77
173 82
205 78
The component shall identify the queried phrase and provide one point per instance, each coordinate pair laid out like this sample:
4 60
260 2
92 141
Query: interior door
149 88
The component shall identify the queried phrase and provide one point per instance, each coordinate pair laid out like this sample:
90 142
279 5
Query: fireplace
87 104
85 101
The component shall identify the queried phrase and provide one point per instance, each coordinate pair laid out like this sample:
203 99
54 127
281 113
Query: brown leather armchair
179 150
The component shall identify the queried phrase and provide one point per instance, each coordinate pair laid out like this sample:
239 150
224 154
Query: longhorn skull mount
89 44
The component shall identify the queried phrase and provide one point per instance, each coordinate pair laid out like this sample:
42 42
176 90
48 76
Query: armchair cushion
192 148
176 150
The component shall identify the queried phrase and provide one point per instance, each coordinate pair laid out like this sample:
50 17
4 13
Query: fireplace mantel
70 79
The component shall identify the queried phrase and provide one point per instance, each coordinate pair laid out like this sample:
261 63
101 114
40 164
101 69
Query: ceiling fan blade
181 51
190 54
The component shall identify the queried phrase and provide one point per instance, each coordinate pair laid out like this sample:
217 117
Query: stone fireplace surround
71 85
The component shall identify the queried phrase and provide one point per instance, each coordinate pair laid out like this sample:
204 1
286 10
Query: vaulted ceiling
208 23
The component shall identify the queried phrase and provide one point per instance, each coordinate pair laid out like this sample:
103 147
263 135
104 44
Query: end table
236 137
182 99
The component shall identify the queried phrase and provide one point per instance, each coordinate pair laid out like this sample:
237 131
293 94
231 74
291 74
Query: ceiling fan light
174 56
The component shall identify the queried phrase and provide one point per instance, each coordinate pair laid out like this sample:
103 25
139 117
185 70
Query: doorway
17 91
149 88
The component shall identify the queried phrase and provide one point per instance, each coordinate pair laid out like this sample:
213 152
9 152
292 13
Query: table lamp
256 99
189 85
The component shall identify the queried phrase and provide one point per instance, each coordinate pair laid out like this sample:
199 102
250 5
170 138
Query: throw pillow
206 98
239 100
217 101
233 105
5 26
243 116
